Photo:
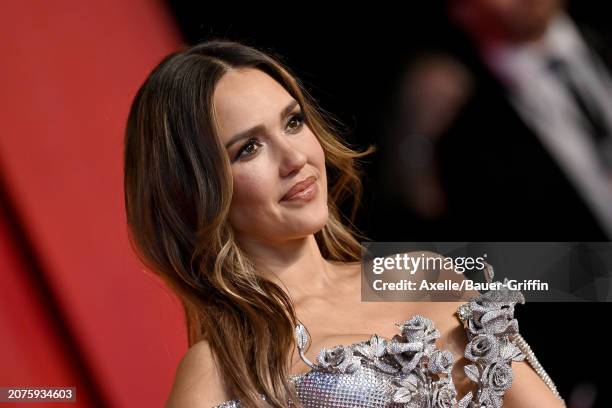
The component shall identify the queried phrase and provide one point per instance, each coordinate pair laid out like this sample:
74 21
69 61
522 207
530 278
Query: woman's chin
305 227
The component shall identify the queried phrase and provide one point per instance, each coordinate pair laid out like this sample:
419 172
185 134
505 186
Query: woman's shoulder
198 381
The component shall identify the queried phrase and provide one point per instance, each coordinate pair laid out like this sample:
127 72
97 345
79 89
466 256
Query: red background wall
76 308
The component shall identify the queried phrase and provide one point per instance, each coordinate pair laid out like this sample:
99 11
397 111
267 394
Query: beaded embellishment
409 371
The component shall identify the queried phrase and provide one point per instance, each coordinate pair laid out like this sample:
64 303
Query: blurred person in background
511 136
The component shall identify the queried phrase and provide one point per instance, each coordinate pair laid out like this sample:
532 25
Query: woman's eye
246 149
296 121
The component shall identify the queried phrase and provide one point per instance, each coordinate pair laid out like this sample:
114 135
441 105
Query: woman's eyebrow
259 128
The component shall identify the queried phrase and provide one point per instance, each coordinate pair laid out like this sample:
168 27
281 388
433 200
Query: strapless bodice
409 370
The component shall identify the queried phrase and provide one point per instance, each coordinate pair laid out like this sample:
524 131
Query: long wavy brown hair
178 190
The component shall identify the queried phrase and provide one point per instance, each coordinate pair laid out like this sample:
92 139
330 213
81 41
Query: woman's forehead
246 98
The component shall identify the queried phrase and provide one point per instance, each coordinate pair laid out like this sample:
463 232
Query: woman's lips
304 189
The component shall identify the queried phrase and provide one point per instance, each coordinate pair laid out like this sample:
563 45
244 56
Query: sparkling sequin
410 371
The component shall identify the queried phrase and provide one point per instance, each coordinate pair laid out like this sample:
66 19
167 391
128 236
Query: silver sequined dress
409 371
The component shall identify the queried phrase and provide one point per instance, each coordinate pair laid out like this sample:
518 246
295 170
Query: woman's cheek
316 150
240 207
247 188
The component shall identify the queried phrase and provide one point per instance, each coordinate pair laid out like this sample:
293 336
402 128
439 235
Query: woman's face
270 149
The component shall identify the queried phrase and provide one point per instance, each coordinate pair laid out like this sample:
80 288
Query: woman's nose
292 158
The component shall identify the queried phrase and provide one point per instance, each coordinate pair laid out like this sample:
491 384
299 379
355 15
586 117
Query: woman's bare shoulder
198 381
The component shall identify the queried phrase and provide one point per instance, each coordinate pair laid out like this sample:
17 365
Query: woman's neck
296 265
